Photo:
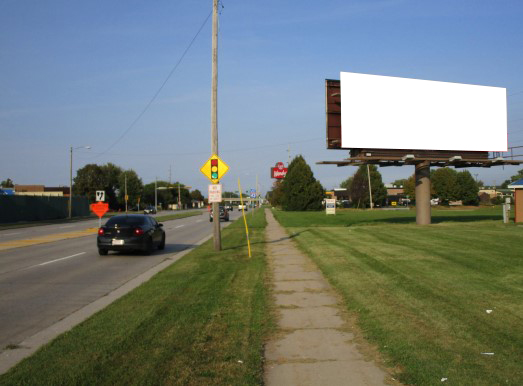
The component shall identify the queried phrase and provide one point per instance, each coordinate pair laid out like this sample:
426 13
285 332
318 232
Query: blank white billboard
384 112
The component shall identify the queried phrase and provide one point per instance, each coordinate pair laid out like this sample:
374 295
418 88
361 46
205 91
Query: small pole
155 194
370 190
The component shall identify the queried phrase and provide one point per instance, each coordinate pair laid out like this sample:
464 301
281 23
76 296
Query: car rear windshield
125 221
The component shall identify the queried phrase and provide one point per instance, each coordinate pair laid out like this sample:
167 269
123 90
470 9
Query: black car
224 214
149 210
130 232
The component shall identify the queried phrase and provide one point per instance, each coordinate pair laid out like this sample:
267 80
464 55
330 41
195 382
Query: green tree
445 183
111 174
275 195
409 187
512 179
347 184
197 195
88 180
400 182
134 187
164 194
301 191
185 195
7 183
358 186
468 188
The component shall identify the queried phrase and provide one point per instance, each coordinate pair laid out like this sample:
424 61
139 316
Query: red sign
280 171
100 208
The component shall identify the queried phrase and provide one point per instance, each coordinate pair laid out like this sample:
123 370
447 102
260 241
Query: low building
41 190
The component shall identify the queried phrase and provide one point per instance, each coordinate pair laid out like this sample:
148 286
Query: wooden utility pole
214 119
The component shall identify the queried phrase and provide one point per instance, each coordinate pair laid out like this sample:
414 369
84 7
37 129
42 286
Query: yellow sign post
214 169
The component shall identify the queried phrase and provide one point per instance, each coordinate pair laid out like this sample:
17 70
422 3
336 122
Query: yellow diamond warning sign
214 169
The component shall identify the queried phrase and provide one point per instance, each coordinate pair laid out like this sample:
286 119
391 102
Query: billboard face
385 112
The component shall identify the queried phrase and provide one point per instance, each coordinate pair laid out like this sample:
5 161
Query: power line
160 89
206 152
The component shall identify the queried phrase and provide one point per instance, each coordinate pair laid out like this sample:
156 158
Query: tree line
299 190
112 179
446 184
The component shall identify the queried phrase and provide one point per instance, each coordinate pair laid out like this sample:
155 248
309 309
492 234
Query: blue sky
78 73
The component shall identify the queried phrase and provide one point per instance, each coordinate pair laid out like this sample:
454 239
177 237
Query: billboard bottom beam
410 159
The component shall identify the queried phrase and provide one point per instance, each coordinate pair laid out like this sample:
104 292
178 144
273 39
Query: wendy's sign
280 171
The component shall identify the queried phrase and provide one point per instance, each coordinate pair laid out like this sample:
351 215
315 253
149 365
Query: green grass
349 217
191 324
420 293
179 215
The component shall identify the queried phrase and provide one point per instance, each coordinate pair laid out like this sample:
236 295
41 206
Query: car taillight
138 231
101 232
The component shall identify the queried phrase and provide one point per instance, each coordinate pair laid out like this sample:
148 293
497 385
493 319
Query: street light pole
71 185
70 206
179 197
155 194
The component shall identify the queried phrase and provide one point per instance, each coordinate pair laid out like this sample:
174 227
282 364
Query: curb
9 358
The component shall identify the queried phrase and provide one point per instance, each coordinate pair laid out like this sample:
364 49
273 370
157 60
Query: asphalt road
41 284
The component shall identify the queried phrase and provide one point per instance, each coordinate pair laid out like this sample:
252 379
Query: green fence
36 208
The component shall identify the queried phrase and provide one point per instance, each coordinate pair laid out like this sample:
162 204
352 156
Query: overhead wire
159 89
206 152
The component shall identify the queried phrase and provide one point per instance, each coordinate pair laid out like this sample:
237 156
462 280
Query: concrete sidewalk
312 346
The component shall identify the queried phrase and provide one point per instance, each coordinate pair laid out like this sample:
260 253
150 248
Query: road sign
100 195
214 169
253 193
100 208
215 193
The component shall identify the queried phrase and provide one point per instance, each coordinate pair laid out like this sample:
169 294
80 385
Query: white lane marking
66 226
54 261
179 226
11 234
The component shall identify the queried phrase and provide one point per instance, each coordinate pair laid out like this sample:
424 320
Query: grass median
440 301
201 321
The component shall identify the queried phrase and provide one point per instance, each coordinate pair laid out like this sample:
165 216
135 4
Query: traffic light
214 169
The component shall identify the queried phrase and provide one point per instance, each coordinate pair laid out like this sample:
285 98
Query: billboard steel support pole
422 175
214 119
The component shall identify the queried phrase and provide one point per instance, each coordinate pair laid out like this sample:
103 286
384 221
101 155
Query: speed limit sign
100 195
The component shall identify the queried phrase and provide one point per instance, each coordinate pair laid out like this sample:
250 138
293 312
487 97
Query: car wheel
102 252
148 246
161 246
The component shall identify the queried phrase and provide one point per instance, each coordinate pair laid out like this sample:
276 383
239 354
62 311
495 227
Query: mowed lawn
421 293
202 321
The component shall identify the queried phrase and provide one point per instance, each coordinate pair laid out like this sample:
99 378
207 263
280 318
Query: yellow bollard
244 219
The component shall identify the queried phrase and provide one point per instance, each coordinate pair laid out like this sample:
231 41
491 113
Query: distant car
130 232
229 207
149 210
244 207
224 214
